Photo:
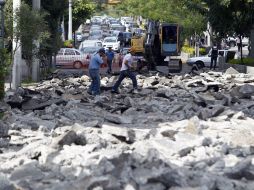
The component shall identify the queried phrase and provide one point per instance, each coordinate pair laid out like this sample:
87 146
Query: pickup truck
205 61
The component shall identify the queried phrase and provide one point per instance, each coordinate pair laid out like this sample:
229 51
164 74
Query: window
221 53
77 53
169 34
60 52
69 52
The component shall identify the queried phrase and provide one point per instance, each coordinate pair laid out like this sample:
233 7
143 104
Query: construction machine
162 40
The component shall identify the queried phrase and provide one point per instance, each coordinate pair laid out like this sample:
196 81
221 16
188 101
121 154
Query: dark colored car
127 38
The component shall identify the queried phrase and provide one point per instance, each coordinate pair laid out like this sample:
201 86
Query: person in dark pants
110 57
214 56
126 71
94 71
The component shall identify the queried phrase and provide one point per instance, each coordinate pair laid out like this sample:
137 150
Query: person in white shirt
126 71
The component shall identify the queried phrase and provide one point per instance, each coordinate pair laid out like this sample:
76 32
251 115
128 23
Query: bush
188 49
191 50
245 61
202 51
68 44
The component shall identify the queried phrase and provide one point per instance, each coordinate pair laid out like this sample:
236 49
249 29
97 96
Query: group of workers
126 70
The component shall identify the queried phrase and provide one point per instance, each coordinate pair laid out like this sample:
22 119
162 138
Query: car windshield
90 49
127 35
95 32
110 40
88 43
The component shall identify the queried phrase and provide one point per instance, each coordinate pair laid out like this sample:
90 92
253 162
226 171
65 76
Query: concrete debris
178 133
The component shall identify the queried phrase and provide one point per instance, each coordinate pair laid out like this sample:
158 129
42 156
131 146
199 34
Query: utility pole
70 21
36 61
63 30
210 33
16 70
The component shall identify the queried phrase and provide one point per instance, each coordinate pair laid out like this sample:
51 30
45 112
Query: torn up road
178 133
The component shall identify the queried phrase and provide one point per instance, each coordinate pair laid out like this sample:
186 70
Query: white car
111 42
90 43
71 58
205 61
79 36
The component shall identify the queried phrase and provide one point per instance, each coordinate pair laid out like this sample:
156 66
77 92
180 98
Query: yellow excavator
137 43
160 41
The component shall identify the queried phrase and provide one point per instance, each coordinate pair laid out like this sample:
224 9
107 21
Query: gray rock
5 184
247 90
153 186
118 119
68 138
4 128
243 169
231 71
29 172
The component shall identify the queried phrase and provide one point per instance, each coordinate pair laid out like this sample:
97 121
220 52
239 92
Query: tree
82 10
168 11
55 10
228 17
31 25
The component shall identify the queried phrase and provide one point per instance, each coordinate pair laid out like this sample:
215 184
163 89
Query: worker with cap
94 71
127 70
110 57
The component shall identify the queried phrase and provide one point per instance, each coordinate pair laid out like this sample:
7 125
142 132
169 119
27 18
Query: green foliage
245 61
30 26
4 65
202 51
82 10
168 11
8 20
188 49
68 43
191 50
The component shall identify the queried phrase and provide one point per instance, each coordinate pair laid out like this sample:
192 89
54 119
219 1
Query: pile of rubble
178 133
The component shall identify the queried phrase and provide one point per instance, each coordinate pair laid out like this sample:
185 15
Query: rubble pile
178 133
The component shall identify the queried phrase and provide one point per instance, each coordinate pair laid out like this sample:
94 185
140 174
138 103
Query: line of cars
100 31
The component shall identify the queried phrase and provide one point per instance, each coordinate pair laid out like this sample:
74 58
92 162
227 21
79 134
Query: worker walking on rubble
94 71
127 70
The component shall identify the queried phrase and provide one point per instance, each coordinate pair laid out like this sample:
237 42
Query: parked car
111 42
205 61
118 27
89 43
119 36
90 50
95 35
95 27
71 58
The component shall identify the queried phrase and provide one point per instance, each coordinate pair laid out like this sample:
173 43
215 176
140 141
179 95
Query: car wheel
200 64
77 65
